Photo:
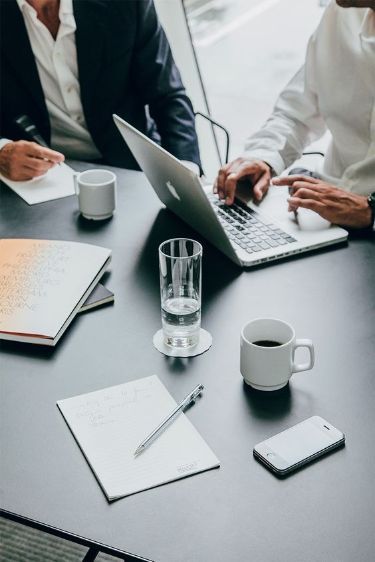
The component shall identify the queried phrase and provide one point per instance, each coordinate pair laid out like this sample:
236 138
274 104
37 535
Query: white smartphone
298 445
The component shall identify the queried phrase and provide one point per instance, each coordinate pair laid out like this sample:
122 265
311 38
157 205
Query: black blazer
125 66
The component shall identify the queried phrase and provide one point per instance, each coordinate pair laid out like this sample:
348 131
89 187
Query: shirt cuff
3 142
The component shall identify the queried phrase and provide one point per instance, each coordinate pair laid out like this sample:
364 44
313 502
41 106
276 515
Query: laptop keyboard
247 228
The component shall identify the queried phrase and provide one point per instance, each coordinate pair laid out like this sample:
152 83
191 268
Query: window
247 51
235 56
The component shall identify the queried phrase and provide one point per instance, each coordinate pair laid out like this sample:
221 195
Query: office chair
215 123
223 129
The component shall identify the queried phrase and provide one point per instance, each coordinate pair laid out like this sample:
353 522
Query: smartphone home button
270 455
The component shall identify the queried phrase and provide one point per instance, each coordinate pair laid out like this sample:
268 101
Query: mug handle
76 185
298 367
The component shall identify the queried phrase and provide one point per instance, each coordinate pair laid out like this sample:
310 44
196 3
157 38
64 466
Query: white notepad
55 184
109 424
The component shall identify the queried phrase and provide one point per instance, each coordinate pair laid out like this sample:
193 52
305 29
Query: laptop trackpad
308 220
275 205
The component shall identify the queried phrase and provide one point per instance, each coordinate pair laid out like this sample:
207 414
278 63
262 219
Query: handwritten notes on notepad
109 424
55 184
43 283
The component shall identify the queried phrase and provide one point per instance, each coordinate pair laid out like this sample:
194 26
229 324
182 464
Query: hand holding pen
23 160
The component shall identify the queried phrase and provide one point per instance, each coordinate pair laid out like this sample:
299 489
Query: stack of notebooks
44 284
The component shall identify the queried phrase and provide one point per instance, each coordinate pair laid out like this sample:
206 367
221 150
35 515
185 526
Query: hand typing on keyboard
256 172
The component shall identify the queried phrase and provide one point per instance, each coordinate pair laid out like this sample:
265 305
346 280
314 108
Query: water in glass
181 318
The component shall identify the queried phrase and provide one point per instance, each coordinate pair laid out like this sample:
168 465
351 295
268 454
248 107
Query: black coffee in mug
267 343
267 349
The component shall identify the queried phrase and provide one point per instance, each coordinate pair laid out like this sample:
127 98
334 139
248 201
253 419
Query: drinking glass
180 266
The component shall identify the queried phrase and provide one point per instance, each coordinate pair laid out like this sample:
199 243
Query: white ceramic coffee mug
96 191
268 347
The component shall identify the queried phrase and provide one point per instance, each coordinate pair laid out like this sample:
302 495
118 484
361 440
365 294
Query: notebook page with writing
42 282
109 424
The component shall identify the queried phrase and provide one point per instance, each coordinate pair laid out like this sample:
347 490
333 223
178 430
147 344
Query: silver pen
295 213
189 399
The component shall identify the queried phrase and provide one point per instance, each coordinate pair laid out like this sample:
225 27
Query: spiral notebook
109 424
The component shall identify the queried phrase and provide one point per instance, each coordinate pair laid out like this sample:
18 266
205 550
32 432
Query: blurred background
247 50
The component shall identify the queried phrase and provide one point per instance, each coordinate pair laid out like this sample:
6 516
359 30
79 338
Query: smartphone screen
298 445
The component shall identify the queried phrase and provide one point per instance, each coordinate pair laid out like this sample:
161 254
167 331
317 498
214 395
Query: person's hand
330 202
257 172
23 160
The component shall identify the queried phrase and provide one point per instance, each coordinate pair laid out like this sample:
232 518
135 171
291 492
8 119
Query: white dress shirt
334 90
56 61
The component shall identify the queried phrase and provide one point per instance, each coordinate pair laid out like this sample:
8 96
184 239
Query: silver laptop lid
176 186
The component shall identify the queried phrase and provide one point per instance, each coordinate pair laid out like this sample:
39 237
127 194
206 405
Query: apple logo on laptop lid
172 190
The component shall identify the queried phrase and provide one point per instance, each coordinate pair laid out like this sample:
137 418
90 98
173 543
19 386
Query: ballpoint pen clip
196 392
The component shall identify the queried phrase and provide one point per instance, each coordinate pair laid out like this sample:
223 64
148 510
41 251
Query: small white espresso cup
267 353
96 191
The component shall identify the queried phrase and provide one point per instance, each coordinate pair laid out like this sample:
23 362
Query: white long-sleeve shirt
334 90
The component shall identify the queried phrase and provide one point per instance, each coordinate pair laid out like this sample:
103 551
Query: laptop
247 233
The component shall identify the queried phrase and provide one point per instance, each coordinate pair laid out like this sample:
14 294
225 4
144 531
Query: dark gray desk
240 512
